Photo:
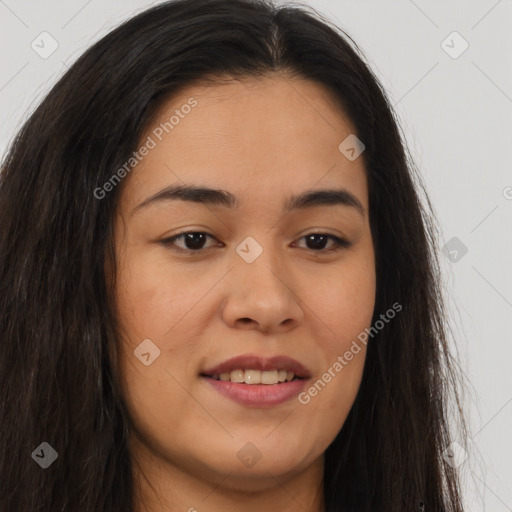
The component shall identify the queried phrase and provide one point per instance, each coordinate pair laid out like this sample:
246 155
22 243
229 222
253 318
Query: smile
255 394
251 377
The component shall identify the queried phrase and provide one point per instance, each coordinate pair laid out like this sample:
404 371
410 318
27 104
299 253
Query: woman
219 285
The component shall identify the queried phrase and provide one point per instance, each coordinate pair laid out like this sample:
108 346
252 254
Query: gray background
457 116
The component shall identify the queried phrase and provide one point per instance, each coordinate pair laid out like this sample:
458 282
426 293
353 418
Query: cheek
155 295
153 305
345 304
326 402
343 301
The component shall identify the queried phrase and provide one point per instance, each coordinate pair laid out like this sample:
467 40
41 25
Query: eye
194 241
317 242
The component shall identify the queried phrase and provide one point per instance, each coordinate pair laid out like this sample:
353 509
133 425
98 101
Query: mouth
254 381
254 377
254 369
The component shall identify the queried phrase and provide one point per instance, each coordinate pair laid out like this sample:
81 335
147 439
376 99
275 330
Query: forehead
260 138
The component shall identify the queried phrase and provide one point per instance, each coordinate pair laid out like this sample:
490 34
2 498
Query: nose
262 295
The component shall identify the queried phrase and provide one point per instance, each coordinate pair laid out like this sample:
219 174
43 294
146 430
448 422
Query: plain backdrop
453 95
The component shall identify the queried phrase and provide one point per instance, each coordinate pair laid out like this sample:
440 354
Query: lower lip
258 395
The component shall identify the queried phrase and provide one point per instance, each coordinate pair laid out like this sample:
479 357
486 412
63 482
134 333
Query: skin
262 140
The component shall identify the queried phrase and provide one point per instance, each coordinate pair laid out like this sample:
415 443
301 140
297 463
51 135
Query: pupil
192 240
315 246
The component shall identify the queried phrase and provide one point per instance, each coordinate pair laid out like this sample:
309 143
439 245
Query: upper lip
255 362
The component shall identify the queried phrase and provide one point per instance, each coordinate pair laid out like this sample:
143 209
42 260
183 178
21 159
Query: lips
255 362
254 381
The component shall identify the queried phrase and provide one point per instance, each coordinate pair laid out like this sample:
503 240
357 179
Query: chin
258 478
250 471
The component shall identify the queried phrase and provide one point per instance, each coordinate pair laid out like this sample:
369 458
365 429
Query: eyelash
341 243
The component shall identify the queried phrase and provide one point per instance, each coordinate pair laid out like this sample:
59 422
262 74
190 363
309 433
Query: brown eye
194 241
318 241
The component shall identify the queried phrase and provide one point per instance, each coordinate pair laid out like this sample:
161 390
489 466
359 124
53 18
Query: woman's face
253 281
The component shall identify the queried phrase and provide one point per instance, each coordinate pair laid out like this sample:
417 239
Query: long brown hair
57 321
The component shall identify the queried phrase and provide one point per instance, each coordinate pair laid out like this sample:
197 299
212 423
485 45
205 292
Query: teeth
252 377
237 376
256 376
270 377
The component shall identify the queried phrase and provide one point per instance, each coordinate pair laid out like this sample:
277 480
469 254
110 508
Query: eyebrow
206 195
